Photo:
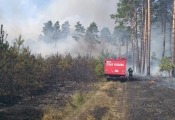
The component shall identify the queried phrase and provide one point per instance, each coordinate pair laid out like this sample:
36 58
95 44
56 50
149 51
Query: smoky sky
26 17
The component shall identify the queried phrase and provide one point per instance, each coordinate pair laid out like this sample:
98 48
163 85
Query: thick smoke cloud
26 17
86 11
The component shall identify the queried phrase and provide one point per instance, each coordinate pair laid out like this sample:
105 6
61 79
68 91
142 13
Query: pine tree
65 30
91 36
79 31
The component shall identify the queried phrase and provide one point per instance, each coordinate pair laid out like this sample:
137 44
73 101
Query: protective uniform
130 72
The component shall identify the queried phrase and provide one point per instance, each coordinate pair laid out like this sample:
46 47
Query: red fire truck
114 68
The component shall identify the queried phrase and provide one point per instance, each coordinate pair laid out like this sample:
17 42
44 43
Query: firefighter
130 72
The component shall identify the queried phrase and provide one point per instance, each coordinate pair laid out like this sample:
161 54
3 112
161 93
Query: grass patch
99 104
78 99
52 113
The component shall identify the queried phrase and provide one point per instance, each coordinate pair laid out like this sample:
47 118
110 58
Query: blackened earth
150 99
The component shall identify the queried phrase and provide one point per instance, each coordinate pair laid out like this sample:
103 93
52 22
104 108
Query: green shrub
99 67
166 65
78 99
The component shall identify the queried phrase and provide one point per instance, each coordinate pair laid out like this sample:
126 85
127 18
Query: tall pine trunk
136 40
145 37
142 49
149 39
164 27
173 38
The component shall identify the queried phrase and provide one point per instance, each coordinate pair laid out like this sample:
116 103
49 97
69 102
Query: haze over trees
79 31
52 33
137 23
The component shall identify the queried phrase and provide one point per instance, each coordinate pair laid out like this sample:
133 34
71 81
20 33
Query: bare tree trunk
173 38
127 48
136 39
149 39
164 27
145 38
12 80
163 35
142 40
132 44
133 51
1 37
1 78
170 42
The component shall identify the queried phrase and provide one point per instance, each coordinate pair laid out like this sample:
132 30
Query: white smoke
29 23
64 46
85 11
157 47
26 17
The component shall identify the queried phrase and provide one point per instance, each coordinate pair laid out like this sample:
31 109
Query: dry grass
100 104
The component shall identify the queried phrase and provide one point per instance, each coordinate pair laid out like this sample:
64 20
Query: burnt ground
146 99
31 106
150 99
